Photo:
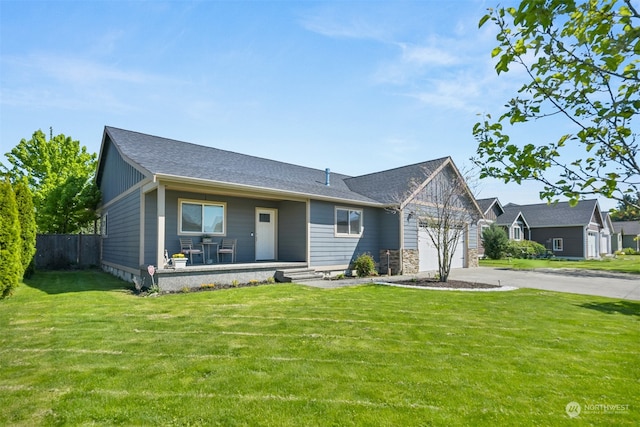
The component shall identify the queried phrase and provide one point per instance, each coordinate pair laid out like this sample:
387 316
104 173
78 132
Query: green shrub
27 218
629 251
365 266
525 249
11 269
494 241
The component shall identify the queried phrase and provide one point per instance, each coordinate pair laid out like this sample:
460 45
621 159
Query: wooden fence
62 251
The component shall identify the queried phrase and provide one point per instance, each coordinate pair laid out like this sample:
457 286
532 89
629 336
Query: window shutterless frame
558 244
201 217
348 222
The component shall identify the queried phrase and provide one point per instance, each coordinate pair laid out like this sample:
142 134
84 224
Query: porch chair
228 246
188 248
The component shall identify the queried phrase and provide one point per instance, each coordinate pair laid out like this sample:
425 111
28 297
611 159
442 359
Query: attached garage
428 254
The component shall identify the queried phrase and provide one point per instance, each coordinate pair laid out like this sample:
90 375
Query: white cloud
427 55
333 24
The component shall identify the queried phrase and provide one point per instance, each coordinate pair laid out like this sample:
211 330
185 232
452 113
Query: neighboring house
627 235
491 209
567 231
157 190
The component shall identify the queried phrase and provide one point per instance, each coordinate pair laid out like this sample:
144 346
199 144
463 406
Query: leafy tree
27 219
495 241
60 175
10 265
627 209
581 59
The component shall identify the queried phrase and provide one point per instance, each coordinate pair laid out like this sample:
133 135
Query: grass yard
79 349
622 263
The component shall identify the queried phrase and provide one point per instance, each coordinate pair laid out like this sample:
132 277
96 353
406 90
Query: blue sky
356 87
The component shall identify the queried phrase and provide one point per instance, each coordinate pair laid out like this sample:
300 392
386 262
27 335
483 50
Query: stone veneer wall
473 258
410 261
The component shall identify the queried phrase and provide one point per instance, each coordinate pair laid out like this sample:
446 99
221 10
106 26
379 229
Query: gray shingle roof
627 227
162 156
391 186
509 216
485 204
551 215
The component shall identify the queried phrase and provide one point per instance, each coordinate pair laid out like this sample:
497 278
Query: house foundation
172 280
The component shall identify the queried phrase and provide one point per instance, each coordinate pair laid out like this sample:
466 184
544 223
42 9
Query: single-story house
281 217
627 235
566 231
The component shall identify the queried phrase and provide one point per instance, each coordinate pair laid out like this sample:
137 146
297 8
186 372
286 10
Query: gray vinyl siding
118 176
292 231
121 246
472 237
630 241
328 249
150 227
389 230
410 231
572 240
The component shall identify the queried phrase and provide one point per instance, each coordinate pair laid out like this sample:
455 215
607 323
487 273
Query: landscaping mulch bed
434 283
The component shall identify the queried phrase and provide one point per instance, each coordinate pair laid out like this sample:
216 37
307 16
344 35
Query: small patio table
207 249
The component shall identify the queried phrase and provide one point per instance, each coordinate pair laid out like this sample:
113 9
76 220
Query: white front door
265 236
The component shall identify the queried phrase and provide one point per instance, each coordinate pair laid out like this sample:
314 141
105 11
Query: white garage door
428 254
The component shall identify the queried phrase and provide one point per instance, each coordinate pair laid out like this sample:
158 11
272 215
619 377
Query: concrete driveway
586 282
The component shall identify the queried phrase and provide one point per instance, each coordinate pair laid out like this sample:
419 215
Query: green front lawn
622 263
77 348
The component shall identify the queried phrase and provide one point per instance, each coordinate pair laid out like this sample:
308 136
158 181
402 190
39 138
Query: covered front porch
266 230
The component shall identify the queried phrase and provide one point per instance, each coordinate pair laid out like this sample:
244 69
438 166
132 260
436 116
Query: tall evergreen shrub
495 242
10 264
27 218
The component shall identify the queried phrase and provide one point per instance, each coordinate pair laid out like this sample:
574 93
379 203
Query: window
202 217
348 222
557 244
517 233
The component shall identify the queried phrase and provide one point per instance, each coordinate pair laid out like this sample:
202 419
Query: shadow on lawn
68 281
628 308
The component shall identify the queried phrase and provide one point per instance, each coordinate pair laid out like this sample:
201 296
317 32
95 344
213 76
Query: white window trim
555 246
335 221
203 203
517 227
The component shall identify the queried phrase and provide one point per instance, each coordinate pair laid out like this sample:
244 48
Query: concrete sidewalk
585 282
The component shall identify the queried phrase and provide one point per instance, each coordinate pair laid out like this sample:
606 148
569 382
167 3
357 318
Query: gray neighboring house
285 218
627 235
568 232
491 209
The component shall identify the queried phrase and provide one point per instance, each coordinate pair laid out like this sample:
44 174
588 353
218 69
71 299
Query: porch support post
161 222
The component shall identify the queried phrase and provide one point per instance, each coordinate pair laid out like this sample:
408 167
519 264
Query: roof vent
327 176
